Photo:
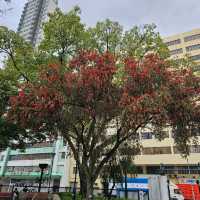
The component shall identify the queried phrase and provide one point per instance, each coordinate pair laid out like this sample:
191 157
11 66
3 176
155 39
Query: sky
170 16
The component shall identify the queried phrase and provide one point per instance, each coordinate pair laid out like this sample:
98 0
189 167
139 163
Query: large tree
20 64
96 113
65 35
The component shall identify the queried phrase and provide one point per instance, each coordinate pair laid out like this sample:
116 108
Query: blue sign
134 184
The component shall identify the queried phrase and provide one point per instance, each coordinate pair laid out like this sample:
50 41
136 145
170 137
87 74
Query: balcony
21 174
33 151
30 174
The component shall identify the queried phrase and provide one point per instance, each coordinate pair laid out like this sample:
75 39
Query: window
196 57
1 158
174 42
38 145
192 37
30 156
165 134
196 68
176 51
195 149
156 150
63 155
27 169
193 47
153 169
147 135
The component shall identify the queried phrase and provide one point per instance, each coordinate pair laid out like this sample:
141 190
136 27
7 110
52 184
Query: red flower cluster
87 88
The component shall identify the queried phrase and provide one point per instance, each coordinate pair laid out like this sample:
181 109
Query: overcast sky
170 16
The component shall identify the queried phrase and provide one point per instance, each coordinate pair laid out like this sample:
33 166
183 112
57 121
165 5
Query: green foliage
106 36
22 64
121 164
20 54
63 34
75 103
139 41
68 196
11 134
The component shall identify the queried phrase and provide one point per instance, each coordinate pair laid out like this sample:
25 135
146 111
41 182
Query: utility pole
42 167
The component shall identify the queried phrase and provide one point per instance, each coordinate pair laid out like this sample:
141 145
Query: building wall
20 165
187 43
155 153
35 13
180 45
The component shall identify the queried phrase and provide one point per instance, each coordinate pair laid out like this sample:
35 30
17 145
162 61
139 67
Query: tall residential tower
34 14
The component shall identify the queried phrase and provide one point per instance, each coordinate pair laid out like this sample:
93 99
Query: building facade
157 157
35 13
163 156
22 166
185 44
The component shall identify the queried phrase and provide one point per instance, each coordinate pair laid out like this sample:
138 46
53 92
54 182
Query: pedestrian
15 194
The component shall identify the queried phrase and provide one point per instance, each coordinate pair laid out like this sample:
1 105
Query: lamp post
50 173
42 166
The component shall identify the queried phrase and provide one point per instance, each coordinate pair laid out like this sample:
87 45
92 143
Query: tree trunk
86 184
83 184
90 189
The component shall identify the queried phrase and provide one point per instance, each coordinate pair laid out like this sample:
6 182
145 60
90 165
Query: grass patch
68 196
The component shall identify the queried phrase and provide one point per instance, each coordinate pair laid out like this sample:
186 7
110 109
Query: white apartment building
35 13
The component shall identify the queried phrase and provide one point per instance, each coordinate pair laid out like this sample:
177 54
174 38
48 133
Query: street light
50 173
42 166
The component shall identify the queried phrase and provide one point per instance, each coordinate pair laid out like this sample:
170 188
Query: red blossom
87 88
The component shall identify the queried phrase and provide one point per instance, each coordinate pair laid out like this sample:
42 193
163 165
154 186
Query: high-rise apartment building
187 43
34 14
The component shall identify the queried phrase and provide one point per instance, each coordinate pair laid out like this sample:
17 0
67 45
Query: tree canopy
65 35
97 87
95 115
21 64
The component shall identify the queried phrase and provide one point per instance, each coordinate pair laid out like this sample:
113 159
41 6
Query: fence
104 193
